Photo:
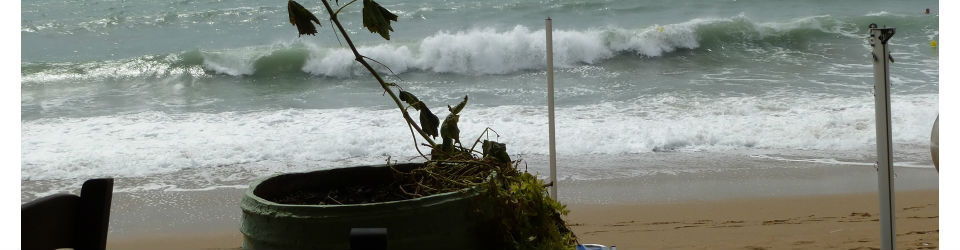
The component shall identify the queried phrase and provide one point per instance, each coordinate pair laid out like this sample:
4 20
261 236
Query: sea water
195 95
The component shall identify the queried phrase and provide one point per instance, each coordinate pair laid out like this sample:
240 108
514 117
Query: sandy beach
802 222
783 208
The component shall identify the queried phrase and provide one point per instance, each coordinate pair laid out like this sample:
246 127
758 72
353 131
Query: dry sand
229 239
847 221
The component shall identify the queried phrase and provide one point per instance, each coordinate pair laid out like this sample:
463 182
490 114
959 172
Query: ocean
198 95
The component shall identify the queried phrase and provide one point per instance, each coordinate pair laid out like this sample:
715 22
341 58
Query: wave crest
476 52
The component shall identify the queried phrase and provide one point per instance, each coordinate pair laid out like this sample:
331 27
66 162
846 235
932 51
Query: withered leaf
411 100
496 150
459 107
449 129
377 18
301 17
429 122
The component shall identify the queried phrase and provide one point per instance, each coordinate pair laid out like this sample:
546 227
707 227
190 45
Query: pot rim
435 198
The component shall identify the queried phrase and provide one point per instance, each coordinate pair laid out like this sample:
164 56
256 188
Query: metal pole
553 140
881 80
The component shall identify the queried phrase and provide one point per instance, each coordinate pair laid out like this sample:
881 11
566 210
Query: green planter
442 221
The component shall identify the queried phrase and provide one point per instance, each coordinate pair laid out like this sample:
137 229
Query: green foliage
377 18
528 218
302 18
519 212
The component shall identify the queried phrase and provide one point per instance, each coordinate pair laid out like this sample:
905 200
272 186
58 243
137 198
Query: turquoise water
137 88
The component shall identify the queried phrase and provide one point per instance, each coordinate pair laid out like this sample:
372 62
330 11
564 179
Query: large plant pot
442 221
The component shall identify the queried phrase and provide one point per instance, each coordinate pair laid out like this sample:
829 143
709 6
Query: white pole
553 140
881 80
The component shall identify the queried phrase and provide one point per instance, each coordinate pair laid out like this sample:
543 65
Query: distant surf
473 52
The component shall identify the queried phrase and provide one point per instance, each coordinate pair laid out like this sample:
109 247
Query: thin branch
415 142
485 132
344 6
334 200
385 66
408 193
335 33
383 84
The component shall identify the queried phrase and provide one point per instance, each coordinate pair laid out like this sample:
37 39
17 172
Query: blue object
592 247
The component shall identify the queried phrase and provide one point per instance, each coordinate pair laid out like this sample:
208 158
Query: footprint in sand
817 219
700 222
722 226
595 232
858 217
662 223
913 208
777 222
729 223
919 232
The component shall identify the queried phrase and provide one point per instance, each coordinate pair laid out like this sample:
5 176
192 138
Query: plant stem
383 84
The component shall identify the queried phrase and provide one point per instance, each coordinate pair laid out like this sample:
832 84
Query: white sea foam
151 143
832 161
140 67
234 63
489 51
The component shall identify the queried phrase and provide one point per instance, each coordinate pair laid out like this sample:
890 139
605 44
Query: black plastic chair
68 221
